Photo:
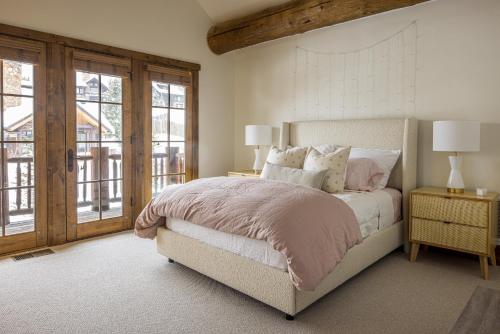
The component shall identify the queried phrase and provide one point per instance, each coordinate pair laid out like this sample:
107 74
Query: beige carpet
119 284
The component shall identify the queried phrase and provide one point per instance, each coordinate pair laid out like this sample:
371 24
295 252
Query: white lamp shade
456 136
258 135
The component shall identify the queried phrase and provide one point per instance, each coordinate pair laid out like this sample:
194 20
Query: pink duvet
313 229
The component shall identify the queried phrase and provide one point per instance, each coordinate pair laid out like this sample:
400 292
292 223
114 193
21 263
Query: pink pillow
363 174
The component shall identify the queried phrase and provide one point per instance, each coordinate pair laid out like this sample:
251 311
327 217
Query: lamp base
257 165
455 181
455 190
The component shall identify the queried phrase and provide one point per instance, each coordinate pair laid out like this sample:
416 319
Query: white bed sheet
374 211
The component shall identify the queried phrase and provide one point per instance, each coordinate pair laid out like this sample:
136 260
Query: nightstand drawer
461 237
467 212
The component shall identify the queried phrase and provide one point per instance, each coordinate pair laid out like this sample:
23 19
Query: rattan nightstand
463 222
244 173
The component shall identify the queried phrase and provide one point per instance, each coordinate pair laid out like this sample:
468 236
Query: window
85 129
168 128
99 146
23 128
18 146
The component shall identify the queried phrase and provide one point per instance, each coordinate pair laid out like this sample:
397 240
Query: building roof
93 116
19 115
174 89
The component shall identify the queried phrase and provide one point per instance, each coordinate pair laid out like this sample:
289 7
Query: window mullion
2 157
168 132
99 145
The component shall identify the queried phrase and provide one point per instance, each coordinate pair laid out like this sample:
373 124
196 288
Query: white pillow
325 148
313 179
292 157
386 159
335 163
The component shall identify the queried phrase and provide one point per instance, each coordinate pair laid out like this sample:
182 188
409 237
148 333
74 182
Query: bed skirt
267 284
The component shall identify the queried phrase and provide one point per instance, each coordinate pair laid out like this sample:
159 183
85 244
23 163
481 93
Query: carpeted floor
118 284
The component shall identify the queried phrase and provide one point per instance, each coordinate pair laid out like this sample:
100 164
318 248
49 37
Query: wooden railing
28 206
162 166
87 169
88 166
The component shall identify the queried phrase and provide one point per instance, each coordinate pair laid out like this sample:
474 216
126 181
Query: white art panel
376 81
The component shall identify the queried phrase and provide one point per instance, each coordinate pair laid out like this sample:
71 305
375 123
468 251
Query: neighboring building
18 115
177 95
87 87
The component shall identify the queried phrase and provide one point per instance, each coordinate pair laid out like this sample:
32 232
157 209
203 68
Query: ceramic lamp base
455 180
257 165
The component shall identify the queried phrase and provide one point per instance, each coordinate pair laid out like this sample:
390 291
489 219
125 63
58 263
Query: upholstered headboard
366 133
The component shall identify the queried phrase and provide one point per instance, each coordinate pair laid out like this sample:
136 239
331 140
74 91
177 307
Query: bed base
267 284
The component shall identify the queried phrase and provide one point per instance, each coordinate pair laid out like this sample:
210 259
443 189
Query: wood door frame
77 60
54 47
18 49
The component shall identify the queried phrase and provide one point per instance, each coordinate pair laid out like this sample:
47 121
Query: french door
98 144
23 212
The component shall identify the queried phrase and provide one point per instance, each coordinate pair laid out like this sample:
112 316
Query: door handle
71 159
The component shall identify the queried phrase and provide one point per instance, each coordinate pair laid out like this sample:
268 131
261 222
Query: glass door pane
17 146
168 129
99 145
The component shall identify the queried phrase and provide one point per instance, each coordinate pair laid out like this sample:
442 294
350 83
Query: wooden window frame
52 50
33 52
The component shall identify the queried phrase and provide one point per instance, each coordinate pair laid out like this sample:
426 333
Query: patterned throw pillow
335 162
292 157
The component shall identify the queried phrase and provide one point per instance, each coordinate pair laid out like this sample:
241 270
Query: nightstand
463 222
244 173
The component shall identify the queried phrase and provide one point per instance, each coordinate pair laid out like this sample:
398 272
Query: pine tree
113 112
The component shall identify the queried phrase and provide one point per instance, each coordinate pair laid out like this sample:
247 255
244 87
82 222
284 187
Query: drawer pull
446 222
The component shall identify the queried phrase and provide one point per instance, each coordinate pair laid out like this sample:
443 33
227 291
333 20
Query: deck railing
87 167
20 207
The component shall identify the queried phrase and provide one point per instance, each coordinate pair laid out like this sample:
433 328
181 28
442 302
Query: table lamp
257 135
456 136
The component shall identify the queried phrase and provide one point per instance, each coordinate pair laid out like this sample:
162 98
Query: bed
260 273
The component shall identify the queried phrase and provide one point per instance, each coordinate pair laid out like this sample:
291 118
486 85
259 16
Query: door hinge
131 201
132 139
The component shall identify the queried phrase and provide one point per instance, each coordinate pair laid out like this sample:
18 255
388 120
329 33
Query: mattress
374 211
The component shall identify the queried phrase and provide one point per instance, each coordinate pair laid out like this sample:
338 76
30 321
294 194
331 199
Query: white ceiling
222 10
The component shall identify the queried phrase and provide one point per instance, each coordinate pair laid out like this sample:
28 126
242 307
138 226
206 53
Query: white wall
169 28
457 77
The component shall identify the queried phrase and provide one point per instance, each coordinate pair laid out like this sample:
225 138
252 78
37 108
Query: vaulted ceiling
223 10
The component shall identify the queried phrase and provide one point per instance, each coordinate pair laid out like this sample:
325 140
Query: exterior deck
23 224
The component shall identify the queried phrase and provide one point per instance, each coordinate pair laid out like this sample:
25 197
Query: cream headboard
367 133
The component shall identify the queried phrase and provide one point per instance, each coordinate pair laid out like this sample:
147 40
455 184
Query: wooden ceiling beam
292 18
